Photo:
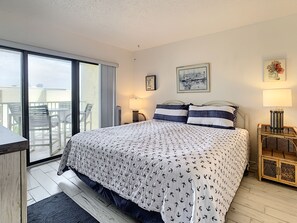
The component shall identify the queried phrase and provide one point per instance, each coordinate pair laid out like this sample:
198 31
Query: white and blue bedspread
187 173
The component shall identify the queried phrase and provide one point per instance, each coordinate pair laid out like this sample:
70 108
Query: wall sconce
136 104
277 98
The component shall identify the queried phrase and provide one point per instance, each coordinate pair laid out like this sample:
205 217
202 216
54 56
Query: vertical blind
108 95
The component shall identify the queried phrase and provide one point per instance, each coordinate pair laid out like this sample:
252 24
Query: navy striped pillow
212 116
174 113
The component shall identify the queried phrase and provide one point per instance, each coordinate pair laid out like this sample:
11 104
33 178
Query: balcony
49 125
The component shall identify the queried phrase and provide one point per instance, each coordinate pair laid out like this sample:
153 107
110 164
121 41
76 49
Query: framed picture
274 70
193 78
150 82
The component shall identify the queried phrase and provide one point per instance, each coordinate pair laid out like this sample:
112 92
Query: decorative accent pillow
212 116
174 113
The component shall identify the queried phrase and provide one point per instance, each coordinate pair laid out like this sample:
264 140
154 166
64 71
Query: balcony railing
47 140
52 105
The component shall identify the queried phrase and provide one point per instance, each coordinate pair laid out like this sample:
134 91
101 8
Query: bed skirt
125 205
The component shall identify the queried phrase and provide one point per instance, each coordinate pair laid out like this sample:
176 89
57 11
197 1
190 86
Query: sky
43 71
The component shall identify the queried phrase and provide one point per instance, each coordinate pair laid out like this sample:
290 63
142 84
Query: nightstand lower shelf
279 166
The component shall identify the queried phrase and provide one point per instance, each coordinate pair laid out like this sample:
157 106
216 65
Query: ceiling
141 24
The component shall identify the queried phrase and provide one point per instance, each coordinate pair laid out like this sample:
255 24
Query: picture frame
150 83
274 70
193 78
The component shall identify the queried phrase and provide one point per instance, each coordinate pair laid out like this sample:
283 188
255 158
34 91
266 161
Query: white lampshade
277 98
135 104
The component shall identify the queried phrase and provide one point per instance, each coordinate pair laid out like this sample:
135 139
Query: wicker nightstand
277 155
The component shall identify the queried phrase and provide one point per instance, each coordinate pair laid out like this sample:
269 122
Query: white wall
26 30
235 57
236 68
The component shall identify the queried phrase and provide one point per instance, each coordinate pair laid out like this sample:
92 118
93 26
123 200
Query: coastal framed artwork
150 82
274 70
193 78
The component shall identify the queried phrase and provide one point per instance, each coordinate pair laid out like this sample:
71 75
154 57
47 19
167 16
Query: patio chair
40 122
85 119
14 121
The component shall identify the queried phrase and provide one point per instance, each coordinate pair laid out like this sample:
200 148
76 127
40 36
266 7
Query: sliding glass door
10 90
49 98
49 85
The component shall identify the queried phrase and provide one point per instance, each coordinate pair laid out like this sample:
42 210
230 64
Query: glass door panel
49 105
89 96
10 90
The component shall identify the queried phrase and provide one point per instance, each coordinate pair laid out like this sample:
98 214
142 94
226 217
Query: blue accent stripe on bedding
171 118
212 113
176 107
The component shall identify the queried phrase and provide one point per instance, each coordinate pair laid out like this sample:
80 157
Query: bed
184 172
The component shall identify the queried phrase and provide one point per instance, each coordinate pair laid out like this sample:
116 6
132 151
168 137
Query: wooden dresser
13 179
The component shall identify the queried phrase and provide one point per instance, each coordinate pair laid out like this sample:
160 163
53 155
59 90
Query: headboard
242 119
173 102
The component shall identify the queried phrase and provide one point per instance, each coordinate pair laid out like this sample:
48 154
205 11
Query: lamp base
135 116
277 120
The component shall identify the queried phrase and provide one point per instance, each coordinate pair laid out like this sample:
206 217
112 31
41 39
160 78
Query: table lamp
136 104
277 98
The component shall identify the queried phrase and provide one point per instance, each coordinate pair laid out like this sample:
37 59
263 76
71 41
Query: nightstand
277 154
